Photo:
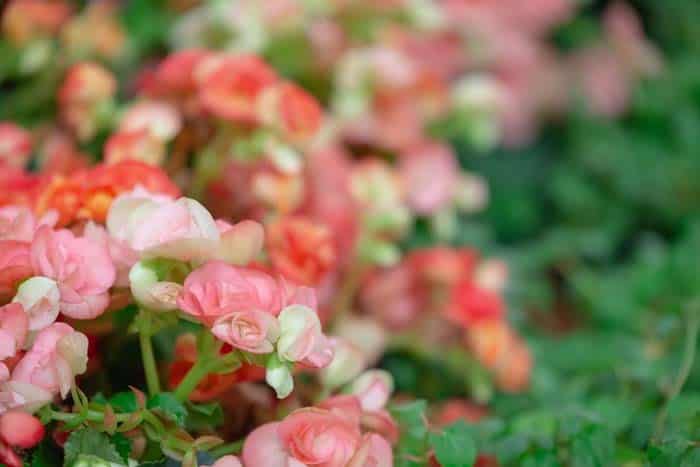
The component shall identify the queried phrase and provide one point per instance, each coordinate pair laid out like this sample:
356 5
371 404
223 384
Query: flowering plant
267 234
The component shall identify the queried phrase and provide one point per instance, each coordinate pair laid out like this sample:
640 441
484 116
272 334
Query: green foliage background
600 222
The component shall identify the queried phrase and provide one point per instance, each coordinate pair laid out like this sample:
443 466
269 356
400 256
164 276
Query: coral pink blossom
175 75
231 85
160 119
395 295
19 223
122 256
429 173
27 20
20 429
503 352
251 330
86 83
218 289
15 145
443 265
264 447
319 437
374 451
301 250
57 355
459 409
295 112
138 144
85 88
470 304
82 268
15 266
14 325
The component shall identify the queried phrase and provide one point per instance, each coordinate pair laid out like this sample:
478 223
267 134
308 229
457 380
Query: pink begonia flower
264 447
374 451
345 405
19 223
182 229
40 298
251 330
15 266
308 436
4 373
301 338
381 422
82 268
348 362
122 256
59 354
22 396
373 388
14 325
240 243
217 289
319 437
161 119
430 174
370 419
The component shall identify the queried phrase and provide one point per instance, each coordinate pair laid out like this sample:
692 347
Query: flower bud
279 377
73 348
492 275
373 388
151 292
20 429
300 328
347 363
40 298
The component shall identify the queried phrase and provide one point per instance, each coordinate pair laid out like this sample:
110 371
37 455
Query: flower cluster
440 288
252 233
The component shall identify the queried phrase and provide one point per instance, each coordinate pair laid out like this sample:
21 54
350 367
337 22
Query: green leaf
166 403
124 402
454 447
201 417
46 454
123 445
412 447
87 441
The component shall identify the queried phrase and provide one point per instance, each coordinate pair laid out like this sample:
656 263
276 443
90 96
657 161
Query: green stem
228 448
197 373
91 415
689 351
149 361
208 361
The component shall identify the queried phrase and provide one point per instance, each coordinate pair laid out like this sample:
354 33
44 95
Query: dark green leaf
454 447
87 441
166 403
124 402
